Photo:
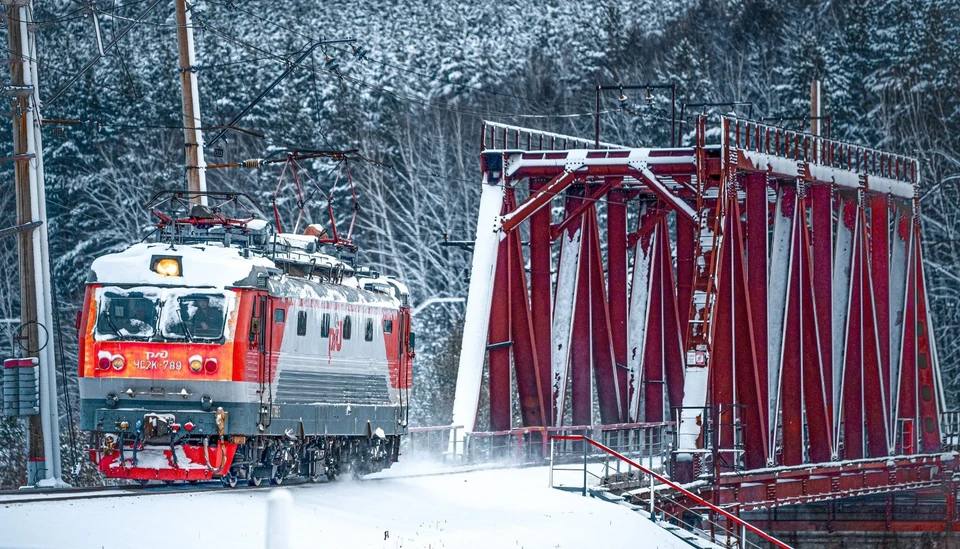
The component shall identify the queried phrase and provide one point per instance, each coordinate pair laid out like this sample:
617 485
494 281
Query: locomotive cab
157 359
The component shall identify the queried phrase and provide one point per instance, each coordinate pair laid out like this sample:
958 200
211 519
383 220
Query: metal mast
36 303
192 134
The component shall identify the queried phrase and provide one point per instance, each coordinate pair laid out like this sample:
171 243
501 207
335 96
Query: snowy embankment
483 508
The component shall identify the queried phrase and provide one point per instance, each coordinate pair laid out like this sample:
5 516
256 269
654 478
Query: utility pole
192 134
36 303
815 109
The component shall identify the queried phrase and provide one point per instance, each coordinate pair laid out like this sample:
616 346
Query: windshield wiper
112 325
183 324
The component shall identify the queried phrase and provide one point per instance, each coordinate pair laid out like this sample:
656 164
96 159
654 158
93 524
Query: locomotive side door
264 370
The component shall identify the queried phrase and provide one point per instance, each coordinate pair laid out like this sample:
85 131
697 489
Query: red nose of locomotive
136 360
155 365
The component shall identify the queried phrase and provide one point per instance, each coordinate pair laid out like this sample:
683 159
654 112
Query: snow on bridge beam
477 315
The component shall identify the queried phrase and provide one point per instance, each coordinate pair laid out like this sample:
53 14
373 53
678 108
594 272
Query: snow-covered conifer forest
410 95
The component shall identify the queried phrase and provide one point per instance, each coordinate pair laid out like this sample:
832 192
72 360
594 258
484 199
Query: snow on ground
452 509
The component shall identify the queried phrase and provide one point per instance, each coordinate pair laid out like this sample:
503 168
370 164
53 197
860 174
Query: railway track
18 497
41 495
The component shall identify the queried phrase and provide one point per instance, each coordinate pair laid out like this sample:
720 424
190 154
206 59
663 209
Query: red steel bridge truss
765 292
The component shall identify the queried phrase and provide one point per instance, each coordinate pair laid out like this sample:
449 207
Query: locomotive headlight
196 365
118 362
166 266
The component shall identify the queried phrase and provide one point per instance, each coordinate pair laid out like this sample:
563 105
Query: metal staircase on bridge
672 507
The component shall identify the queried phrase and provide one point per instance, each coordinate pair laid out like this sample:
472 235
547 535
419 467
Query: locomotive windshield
159 314
197 316
128 316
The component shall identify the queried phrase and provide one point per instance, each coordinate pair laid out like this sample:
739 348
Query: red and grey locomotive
223 349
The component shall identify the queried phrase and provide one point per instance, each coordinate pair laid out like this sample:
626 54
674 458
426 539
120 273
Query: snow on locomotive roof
301 288
201 265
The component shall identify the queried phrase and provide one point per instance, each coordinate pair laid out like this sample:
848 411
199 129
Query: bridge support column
477 315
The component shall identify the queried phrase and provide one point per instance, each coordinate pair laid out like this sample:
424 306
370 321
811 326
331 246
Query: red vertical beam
791 374
822 216
721 374
671 326
617 286
852 391
540 292
815 400
751 379
580 347
608 393
873 395
880 273
758 219
926 384
653 372
907 403
499 337
686 232
525 363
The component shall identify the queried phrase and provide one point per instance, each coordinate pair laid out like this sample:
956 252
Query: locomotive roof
212 265
202 265
349 292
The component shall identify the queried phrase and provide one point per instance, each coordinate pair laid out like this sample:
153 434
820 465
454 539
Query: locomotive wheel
229 480
256 481
316 471
277 479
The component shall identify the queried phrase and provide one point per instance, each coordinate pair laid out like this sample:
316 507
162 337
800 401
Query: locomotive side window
254 323
346 327
325 325
388 326
368 331
279 315
301 323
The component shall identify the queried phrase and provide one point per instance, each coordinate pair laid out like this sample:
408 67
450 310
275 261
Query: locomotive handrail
676 487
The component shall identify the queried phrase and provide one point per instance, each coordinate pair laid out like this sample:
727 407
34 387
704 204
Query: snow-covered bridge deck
414 505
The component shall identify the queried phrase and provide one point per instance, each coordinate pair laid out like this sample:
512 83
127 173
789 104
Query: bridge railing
668 503
950 429
795 145
494 135
531 445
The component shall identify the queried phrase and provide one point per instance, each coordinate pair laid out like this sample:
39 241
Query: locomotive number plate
158 361
158 364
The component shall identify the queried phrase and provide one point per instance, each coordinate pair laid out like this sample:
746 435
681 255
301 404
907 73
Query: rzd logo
336 337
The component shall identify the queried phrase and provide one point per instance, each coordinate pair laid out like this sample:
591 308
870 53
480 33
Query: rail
687 494
494 135
774 140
